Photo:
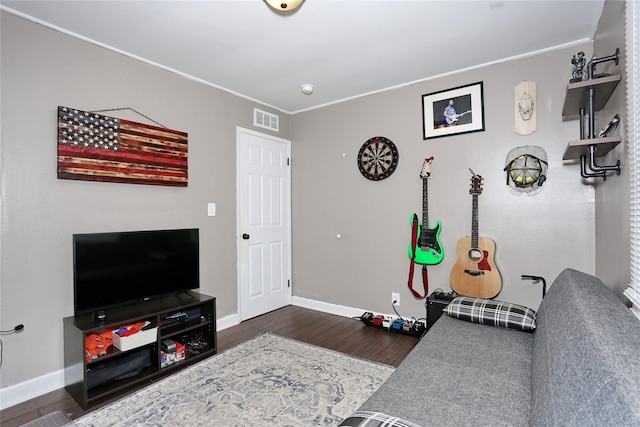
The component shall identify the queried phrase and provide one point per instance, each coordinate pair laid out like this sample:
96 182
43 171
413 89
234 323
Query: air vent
262 119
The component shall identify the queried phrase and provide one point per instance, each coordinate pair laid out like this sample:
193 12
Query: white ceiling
345 48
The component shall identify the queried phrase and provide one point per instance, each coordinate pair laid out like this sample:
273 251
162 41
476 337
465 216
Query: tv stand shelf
78 370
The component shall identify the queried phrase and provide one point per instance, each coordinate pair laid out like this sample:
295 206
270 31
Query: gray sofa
580 367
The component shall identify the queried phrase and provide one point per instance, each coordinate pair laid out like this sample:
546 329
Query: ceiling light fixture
284 6
307 88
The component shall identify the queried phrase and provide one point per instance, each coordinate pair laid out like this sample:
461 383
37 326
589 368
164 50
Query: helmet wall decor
526 169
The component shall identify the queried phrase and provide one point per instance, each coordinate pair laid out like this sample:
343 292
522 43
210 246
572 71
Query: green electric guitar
428 249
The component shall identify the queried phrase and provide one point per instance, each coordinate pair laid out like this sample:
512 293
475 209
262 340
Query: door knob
245 236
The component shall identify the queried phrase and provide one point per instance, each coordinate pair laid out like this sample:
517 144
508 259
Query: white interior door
264 223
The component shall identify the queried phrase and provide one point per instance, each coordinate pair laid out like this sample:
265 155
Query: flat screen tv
112 269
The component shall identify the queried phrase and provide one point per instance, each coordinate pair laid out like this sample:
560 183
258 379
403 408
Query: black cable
393 304
16 329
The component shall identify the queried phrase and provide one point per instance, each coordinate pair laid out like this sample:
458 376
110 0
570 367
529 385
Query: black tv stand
77 370
189 296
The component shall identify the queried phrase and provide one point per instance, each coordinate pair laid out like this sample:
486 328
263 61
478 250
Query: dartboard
377 158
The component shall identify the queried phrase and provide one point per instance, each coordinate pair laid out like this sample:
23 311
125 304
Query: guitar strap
425 277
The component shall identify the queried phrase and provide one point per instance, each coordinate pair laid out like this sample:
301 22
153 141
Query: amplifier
436 302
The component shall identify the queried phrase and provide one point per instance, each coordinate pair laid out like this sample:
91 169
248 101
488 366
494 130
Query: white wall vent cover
266 120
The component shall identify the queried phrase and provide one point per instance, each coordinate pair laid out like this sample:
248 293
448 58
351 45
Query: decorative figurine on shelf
578 67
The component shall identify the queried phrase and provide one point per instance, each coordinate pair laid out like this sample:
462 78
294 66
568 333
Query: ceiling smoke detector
284 6
307 88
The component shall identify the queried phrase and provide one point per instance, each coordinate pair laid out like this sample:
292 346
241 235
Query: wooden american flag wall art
94 147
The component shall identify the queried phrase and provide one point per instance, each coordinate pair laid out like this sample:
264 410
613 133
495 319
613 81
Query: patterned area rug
267 381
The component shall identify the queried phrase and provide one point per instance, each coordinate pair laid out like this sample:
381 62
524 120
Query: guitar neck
474 222
425 203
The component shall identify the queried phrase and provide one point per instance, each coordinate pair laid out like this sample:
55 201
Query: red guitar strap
425 277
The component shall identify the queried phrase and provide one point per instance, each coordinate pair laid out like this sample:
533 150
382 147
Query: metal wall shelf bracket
596 171
591 66
585 174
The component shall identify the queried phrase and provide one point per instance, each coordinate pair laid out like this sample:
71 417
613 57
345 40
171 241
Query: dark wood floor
325 330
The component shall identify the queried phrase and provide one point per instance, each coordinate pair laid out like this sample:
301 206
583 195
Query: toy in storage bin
172 352
132 336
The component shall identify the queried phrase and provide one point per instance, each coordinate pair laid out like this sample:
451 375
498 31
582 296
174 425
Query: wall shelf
577 95
585 98
580 147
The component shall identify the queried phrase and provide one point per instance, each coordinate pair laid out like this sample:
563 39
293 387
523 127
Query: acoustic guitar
428 246
475 273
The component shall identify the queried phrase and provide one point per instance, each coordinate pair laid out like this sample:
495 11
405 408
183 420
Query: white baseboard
228 321
326 307
30 389
35 387
339 310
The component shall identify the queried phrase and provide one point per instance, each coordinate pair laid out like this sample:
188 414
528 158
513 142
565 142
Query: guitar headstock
426 168
476 184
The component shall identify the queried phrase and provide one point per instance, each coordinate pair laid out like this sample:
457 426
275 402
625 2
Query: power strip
394 324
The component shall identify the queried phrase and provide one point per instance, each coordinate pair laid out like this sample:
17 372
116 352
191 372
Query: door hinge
289 283
287 161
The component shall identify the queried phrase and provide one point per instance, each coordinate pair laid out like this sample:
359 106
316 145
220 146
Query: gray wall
539 234
42 69
612 195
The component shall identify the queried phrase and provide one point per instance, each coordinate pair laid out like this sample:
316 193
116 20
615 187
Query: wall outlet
395 298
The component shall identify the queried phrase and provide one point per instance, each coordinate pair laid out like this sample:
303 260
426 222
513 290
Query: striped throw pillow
493 313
